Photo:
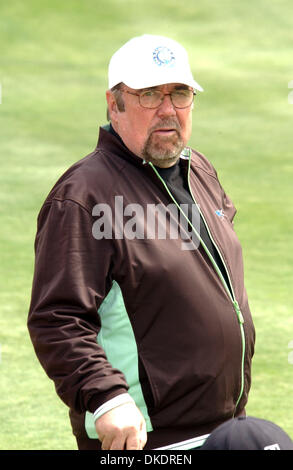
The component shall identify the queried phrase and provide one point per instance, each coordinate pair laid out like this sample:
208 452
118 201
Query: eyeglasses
181 98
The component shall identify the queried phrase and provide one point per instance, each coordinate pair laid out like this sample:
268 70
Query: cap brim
152 81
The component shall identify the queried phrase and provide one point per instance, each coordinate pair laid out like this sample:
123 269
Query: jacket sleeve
71 279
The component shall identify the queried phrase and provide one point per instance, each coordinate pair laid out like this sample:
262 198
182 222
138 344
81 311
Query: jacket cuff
113 403
98 400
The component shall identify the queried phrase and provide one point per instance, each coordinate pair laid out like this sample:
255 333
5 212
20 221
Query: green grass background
53 72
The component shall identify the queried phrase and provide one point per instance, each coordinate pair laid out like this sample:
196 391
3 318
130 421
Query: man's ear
112 105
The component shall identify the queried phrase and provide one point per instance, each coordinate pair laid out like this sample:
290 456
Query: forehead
165 87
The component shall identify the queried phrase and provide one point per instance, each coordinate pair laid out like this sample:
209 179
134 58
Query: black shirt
178 186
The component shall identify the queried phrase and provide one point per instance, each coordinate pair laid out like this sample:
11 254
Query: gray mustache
167 124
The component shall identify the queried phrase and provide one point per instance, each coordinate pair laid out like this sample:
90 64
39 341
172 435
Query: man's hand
122 428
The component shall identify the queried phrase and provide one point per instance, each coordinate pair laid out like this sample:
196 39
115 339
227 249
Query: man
145 331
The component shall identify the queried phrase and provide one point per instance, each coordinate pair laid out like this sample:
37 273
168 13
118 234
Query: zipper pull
238 311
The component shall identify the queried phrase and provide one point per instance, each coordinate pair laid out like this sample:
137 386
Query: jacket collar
111 142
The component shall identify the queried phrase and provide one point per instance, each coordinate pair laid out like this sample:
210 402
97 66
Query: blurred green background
53 76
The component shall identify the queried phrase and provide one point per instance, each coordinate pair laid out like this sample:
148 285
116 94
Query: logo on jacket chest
220 213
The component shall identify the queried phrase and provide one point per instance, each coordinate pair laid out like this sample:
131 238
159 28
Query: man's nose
167 108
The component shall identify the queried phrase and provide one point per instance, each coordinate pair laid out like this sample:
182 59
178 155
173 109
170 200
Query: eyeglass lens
179 98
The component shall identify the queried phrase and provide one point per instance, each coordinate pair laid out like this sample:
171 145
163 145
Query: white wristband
113 403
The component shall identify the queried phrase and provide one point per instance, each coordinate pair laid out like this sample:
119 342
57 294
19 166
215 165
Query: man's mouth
168 128
165 131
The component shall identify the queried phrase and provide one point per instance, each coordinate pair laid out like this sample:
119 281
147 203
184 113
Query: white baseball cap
147 61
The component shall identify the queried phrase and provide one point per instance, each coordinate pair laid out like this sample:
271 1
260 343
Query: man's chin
165 162
163 152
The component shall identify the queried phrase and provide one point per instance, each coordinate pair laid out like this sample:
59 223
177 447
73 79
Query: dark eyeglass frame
162 98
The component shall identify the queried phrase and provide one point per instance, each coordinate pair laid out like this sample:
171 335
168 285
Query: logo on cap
163 56
273 447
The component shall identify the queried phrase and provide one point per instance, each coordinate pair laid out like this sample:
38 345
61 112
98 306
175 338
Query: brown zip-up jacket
112 313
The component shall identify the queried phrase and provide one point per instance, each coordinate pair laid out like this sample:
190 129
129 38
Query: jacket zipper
230 293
